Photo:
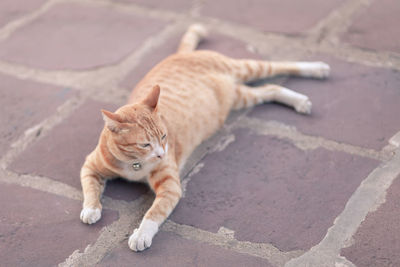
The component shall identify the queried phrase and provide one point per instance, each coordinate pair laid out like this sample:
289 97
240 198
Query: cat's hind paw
322 70
199 29
89 215
304 106
317 70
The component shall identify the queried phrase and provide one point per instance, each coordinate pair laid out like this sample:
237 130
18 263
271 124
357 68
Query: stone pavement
272 188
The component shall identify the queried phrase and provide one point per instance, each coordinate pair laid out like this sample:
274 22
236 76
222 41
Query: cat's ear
113 121
152 98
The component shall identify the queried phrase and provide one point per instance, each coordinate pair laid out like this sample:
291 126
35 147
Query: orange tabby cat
179 103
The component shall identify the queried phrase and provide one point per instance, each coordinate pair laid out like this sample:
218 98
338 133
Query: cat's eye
145 145
163 137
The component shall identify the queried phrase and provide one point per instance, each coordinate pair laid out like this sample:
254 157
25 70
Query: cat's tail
192 37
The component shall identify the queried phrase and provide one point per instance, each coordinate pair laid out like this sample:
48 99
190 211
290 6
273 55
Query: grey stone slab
42 229
269 191
11 10
23 104
291 17
377 27
169 249
61 154
376 242
357 105
74 36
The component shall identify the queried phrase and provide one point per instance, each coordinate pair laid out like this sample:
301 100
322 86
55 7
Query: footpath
272 188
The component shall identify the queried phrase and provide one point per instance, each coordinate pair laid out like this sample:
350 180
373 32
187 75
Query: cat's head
137 132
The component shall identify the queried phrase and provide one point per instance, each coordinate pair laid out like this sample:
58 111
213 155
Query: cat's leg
92 188
166 185
250 70
250 96
192 37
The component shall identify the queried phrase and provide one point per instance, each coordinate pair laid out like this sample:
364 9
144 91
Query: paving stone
63 152
357 105
215 42
292 17
42 229
149 61
376 242
376 27
73 36
175 5
267 190
13 9
169 249
23 104
125 190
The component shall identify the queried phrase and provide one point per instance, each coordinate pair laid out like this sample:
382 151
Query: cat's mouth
152 160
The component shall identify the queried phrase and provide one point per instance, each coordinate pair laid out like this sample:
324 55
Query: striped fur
178 104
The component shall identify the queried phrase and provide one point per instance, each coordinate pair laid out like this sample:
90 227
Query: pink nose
160 154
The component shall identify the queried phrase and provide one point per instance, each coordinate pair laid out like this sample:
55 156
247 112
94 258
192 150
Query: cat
181 102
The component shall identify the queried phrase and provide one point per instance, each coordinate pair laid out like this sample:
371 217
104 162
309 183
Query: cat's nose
160 152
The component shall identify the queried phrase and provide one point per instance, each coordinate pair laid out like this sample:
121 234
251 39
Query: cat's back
193 60
182 71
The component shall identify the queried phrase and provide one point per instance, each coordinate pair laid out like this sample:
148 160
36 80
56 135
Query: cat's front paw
89 215
139 241
143 236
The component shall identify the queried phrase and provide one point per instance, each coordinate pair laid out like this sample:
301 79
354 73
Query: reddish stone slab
41 229
13 9
63 152
73 36
23 104
215 42
175 5
377 241
377 27
169 249
267 190
285 16
357 105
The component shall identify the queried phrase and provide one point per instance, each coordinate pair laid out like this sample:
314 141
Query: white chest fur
128 172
